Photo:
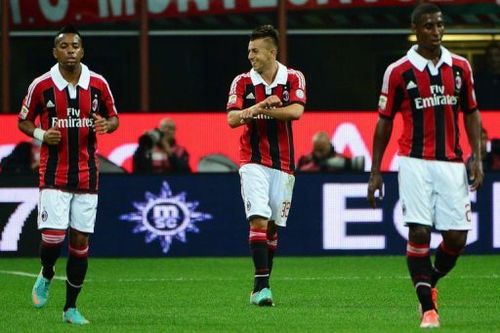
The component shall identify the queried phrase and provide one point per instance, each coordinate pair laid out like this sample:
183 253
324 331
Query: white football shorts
59 210
434 193
266 192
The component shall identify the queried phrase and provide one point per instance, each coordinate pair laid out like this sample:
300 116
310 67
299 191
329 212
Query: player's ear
414 28
54 52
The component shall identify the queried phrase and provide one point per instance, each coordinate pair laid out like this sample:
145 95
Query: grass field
325 294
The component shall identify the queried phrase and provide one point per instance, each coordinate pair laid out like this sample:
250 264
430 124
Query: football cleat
40 292
430 319
263 297
73 316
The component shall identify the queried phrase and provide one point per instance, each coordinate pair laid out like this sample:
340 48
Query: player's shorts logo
248 205
45 215
166 217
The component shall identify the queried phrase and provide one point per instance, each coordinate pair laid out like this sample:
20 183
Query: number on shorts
285 209
468 213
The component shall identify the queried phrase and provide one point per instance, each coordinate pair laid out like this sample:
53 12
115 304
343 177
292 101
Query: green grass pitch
312 294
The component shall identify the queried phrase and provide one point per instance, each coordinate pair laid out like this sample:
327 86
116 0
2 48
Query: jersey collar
420 62
281 77
61 83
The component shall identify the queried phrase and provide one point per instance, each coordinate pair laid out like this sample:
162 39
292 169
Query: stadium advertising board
204 133
38 13
202 215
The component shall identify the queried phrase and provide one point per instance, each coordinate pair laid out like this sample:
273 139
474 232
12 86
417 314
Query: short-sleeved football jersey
265 140
72 164
429 98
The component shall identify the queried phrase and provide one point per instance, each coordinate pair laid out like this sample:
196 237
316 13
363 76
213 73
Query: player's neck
71 76
433 54
270 74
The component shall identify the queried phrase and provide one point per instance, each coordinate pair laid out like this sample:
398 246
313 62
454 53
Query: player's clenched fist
272 101
52 136
100 124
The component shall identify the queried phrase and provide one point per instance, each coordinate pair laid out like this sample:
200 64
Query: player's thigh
255 190
453 207
83 212
53 209
281 196
416 191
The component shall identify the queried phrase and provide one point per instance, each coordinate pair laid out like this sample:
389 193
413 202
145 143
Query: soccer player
73 104
429 86
265 101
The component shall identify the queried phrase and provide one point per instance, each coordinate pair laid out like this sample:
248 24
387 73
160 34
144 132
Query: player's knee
258 222
419 234
78 238
455 240
53 237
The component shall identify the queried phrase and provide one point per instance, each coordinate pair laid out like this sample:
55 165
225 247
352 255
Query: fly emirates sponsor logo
438 98
73 120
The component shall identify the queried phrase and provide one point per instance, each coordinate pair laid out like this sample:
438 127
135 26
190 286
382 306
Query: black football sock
272 245
420 268
76 270
260 253
50 250
446 259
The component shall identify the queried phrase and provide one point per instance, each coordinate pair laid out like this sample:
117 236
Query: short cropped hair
266 31
68 29
422 9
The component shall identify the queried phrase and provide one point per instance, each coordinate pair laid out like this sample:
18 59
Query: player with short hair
429 86
73 104
265 101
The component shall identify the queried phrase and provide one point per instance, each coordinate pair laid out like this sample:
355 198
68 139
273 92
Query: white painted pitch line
327 278
18 273
286 278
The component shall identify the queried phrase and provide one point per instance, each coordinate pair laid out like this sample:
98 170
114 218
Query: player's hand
100 124
272 101
476 175
375 183
52 136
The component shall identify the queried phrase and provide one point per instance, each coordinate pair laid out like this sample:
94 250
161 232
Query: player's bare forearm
381 137
290 112
27 127
234 118
472 122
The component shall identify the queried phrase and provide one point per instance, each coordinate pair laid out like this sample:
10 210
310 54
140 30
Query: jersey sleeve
468 102
297 88
236 92
390 95
109 109
31 105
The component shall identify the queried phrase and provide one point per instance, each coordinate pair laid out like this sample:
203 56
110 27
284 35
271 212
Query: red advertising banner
207 133
40 13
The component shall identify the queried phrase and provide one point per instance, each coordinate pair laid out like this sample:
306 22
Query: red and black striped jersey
429 98
72 164
267 141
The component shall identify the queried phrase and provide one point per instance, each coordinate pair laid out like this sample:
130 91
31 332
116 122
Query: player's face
68 51
261 54
429 30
